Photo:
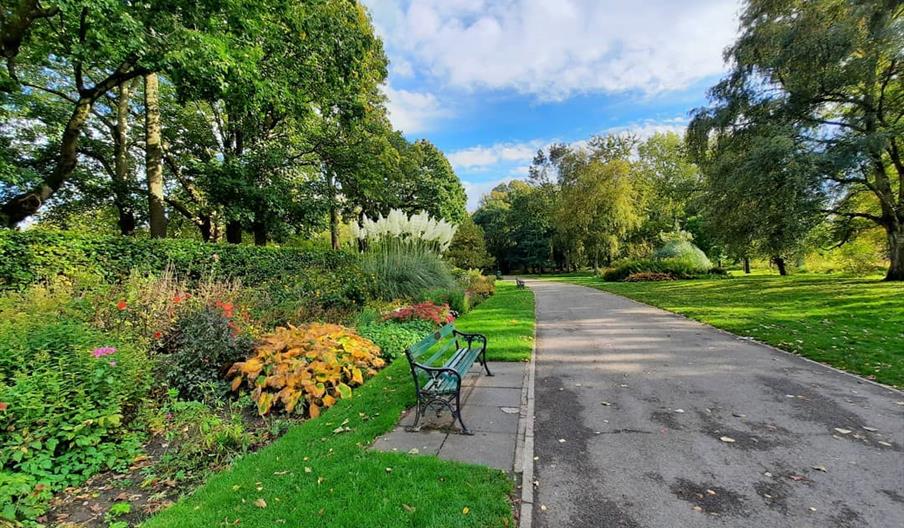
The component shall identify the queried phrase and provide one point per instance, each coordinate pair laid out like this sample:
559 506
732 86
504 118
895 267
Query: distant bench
519 282
437 379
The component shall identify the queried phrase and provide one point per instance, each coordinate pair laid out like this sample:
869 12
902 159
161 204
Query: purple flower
103 351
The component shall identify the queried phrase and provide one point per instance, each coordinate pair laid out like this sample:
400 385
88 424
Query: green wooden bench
438 363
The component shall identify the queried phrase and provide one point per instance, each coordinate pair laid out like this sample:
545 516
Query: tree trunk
895 252
22 206
154 156
260 233
234 232
206 227
780 264
746 265
121 174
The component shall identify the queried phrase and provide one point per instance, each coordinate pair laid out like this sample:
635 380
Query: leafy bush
404 272
647 276
67 395
202 347
478 287
456 298
394 337
313 364
438 314
674 267
685 252
197 436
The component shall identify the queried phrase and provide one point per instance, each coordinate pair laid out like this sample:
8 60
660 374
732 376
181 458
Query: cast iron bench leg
464 428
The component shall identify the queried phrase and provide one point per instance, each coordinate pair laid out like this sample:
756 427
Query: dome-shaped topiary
685 252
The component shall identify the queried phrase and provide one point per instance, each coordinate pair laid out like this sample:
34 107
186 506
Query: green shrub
678 269
35 255
478 287
456 298
198 437
69 393
201 348
404 272
394 337
685 252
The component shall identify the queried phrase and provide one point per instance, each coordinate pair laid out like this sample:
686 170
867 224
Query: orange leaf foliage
306 368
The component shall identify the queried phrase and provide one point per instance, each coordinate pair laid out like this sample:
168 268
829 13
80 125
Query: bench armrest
470 338
433 372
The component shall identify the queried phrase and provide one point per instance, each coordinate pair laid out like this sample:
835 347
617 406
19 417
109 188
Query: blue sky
491 81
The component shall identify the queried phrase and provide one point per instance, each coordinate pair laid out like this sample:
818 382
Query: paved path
670 423
492 409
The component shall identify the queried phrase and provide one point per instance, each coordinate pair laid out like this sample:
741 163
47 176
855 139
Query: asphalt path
647 419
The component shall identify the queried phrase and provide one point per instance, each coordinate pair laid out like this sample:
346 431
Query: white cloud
477 157
413 112
402 68
553 50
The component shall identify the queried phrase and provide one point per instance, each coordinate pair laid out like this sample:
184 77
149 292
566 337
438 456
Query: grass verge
320 474
855 324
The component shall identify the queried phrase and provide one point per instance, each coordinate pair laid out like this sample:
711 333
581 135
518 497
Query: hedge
31 256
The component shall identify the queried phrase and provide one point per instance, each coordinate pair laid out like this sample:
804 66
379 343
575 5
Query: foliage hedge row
30 256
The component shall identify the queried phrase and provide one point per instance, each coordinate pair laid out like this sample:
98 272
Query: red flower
157 335
4 406
122 305
177 298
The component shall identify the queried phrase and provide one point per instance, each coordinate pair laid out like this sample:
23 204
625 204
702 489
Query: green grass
350 486
507 319
855 324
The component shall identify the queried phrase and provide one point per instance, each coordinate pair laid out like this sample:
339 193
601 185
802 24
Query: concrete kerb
524 454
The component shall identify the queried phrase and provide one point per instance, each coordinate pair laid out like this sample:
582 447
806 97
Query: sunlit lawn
322 475
856 324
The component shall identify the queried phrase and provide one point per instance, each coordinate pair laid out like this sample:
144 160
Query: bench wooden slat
440 352
421 347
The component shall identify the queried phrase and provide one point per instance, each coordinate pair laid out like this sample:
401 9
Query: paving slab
487 449
671 423
494 396
492 412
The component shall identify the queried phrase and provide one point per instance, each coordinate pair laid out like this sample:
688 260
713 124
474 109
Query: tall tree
154 156
829 75
102 44
122 170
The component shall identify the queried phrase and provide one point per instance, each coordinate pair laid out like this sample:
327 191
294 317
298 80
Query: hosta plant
306 368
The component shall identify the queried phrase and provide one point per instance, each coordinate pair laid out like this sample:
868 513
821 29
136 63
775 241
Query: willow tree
828 74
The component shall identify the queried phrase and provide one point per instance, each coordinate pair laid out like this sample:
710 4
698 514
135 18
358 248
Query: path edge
526 437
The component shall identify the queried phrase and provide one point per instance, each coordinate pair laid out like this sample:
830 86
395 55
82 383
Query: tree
828 75
102 45
468 249
153 161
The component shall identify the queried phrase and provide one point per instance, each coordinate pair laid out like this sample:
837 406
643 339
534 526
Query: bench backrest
425 351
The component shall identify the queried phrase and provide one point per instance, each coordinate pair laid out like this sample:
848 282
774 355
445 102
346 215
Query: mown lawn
320 474
854 324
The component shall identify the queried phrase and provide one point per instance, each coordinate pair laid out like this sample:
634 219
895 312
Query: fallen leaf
561 440
821 468
542 507
409 509
727 439
870 429
839 430
886 444
679 411
796 478
465 510
605 403
260 503
308 470
710 492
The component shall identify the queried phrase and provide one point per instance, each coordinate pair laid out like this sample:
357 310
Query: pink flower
112 363
103 351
